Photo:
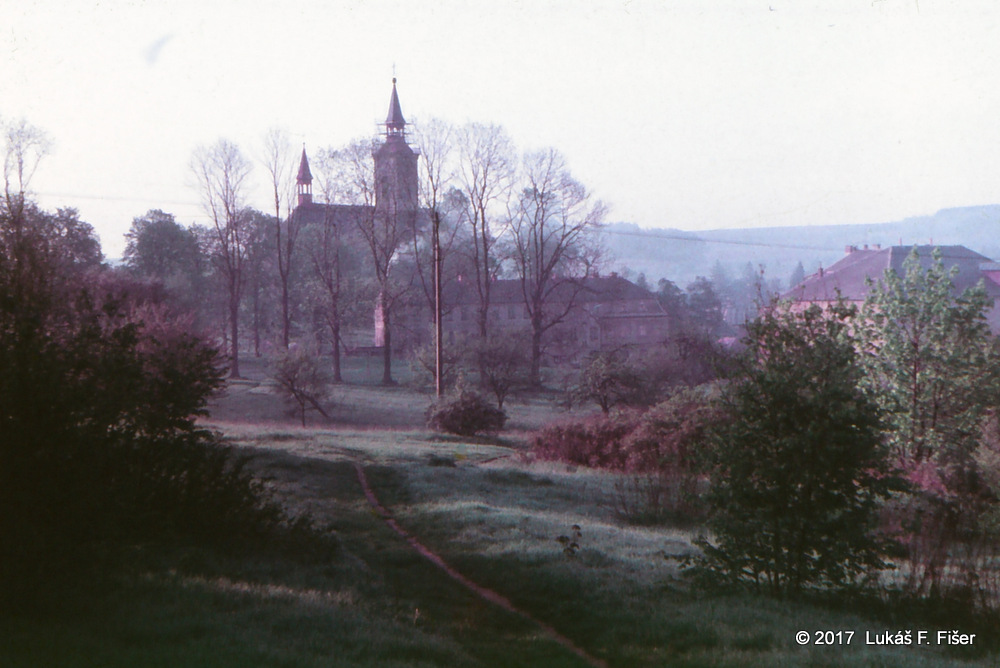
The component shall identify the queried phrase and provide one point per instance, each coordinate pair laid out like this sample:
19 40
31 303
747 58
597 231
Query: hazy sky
691 114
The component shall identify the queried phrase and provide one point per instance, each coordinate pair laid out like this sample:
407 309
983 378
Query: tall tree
435 143
932 365
278 161
24 146
383 223
159 248
486 171
329 253
704 308
553 246
931 361
259 271
222 171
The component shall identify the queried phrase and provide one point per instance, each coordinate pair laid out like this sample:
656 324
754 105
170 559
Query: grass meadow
545 536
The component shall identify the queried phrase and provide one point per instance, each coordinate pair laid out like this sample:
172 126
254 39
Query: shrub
611 379
667 458
660 453
799 472
465 414
301 381
597 442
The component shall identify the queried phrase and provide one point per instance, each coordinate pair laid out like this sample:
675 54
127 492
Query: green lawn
367 599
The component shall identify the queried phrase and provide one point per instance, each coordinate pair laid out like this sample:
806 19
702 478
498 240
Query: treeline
849 449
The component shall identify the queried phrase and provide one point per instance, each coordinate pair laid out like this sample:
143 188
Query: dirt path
486 594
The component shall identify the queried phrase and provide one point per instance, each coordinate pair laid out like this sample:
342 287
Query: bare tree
22 249
486 172
278 159
327 252
24 147
553 247
383 224
221 171
435 143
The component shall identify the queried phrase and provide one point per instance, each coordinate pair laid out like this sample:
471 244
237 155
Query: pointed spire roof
394 121
305 176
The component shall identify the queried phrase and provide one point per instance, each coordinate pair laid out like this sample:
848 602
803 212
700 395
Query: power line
732 242
645 234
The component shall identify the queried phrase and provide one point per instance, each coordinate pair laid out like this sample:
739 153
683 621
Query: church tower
304 180
395 165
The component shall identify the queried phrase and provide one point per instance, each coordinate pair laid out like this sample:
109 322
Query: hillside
681 256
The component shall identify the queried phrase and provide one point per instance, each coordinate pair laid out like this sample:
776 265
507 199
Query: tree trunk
387 357
335 333
256 320
285 322
234 335
535 377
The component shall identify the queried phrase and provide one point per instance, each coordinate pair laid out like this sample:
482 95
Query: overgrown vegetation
100 389
660 455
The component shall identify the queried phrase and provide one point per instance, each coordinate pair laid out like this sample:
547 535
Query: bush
597 442
100 449
799 472
612 379
301 381
660 453
465 414
667 458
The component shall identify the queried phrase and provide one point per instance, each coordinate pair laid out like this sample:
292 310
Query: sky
677 114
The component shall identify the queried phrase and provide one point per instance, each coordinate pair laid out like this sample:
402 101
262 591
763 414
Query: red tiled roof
849 276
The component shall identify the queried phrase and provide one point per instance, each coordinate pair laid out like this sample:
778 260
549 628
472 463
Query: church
386 223
609 312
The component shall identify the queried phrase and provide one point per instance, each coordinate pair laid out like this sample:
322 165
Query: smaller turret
304 180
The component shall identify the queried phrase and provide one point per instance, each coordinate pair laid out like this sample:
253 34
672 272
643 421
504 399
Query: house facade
604 313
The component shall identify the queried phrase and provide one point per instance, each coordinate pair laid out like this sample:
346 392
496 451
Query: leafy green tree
672 300
799 469
159 248
100 447
100 391
932 364
930 361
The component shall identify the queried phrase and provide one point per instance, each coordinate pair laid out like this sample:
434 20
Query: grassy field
367 599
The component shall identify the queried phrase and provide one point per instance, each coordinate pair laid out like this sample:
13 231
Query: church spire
395 124
304 180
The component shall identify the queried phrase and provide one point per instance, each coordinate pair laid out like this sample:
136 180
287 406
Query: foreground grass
620 593
368 600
